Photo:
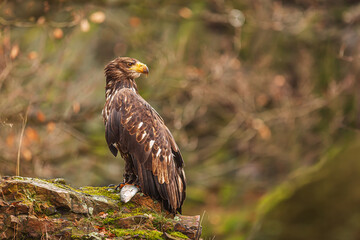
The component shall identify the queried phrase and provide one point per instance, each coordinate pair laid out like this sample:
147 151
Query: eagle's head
125 67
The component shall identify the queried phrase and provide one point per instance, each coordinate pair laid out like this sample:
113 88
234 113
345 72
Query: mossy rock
38 208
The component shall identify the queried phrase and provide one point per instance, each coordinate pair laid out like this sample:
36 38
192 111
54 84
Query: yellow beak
140 68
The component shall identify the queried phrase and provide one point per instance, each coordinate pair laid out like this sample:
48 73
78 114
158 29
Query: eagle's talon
120 186
138 186
133 184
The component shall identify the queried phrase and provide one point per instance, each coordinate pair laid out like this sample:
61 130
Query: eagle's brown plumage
136 130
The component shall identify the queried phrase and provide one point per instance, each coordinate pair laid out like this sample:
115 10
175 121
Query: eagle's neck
113 84
111 88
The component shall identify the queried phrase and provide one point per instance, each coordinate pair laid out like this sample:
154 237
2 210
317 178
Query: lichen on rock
32 208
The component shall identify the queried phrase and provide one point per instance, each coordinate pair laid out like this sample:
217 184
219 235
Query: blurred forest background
262 97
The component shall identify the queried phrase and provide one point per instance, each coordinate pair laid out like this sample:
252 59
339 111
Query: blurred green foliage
320 203
252 91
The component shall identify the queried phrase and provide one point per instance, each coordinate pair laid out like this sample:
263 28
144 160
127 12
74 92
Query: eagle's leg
119 186
129 175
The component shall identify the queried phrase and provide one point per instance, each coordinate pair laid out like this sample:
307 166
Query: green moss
110 211
162 223
178 235
137 210
56 215
147 234
95 191
100 191
77 233
110 220
59 181
128 204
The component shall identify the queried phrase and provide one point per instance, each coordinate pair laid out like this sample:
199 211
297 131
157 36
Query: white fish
127 192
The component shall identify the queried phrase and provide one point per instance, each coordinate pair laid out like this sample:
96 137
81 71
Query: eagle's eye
129 64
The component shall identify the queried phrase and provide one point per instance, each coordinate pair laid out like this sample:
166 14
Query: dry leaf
50 127
76 107
97 17
32 55
262 100
84 25
185 12
262 129
14 51
279 80
26 153
46 6
31 134
40 116
58 33
41 20
265 132
134 21
8 11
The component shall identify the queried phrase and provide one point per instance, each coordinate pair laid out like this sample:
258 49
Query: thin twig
198 232
20 142
28 24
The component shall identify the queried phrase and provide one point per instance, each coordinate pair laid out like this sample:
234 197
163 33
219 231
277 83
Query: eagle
134 129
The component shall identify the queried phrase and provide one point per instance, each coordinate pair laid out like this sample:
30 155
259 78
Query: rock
189 225
40 209
12 221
